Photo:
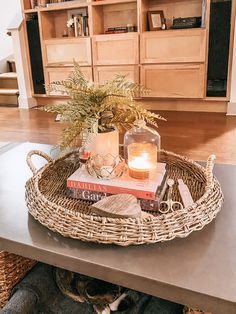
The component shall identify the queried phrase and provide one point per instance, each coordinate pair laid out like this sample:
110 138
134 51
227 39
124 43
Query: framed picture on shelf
156 20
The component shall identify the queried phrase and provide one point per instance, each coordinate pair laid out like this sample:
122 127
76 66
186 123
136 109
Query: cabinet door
59 74
102 74
174 81
171 46
65 51
115 49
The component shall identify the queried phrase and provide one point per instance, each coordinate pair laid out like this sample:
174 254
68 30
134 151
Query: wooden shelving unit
172 63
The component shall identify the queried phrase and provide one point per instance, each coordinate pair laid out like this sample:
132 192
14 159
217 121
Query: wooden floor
196 135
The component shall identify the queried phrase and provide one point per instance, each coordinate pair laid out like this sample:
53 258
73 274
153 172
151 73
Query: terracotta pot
104 143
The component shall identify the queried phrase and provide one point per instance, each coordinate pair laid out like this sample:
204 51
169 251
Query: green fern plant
98 107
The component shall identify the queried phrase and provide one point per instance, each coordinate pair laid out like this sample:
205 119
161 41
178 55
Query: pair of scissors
169 204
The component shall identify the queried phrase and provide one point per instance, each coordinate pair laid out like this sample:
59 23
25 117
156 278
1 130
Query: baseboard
186 105
26 103
231 109
163 104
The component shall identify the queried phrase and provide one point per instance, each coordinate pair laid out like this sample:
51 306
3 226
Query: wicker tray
48 202
12 269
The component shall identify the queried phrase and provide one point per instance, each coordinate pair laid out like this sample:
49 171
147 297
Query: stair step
10 92
8 80
9 97
8 75
8 100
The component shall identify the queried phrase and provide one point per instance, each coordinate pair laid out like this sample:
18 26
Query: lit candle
139 168
142 158
84 156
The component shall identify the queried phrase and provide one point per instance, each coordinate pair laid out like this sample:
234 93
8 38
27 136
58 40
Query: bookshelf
171 62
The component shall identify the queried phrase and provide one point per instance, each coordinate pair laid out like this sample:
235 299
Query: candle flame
140 162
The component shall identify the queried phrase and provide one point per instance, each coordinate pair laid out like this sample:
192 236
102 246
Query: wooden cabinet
171 63
63 51
104 73
58 74
173 46
174 80
116 49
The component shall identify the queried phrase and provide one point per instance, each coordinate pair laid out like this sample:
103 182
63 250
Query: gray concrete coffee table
199 270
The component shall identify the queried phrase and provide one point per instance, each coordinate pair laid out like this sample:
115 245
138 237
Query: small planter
104 143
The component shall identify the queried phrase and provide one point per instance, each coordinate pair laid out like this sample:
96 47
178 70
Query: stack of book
150 192
116 30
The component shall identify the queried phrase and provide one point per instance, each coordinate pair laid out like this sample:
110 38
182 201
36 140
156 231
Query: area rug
5 146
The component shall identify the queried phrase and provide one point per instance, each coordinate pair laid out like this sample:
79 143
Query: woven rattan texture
12 269
48 202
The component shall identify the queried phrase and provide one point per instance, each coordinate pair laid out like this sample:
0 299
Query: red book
143 189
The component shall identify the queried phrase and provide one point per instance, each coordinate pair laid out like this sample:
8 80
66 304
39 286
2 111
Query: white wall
8 10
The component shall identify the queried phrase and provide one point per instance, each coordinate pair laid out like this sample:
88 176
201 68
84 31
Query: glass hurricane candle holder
141 150
106 167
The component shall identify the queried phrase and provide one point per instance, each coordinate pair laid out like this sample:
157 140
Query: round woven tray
48 202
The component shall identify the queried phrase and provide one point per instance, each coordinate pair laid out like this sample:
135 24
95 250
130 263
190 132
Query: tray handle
209 170
39 153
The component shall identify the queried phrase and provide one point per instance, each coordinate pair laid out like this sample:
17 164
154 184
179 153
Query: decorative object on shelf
155 20
164 25
141 150
187 22
169 205
33 3
117 30
80 21
98 108
106 166
47 201
63 2
131 28
42 3
71 27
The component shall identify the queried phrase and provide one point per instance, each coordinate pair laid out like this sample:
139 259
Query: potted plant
97 112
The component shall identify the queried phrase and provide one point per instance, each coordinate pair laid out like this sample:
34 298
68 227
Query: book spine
85 25
116 32
110 189
93 196
76 26
117 28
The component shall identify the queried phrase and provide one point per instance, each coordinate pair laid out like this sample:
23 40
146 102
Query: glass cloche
141 150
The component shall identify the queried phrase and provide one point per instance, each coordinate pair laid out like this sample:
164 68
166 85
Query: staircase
9 91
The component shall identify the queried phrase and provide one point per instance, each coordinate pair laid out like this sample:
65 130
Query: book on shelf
116 32
119 28
78 25
65 3
144 189
95 196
